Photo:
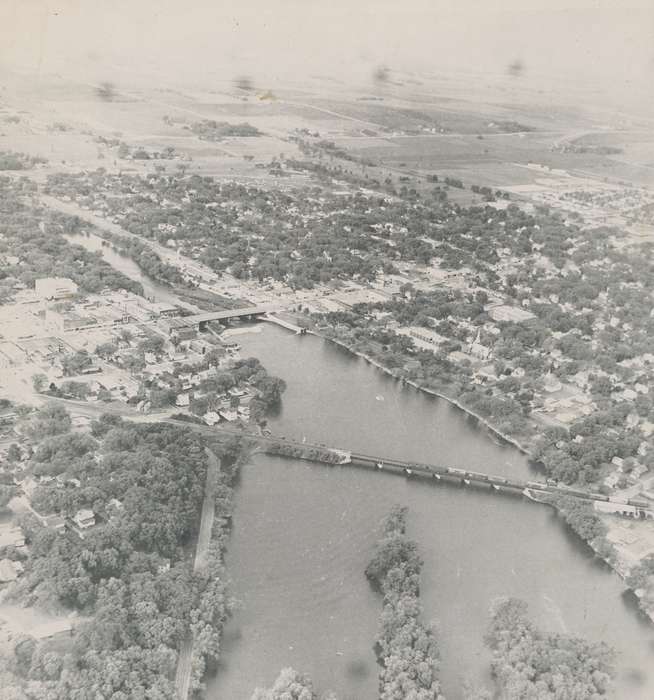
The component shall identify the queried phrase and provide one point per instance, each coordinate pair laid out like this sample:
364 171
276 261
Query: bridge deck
225 314
436 472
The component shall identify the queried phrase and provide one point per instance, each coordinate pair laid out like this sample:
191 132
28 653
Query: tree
78 390
39 381
13 453
290 685
407 649
6 494
199 406
52 419
74 363
529 664
106 350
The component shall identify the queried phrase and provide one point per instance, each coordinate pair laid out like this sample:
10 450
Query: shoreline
614 566
431 392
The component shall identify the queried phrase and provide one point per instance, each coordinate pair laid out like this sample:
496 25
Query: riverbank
431 392
614 564
301 533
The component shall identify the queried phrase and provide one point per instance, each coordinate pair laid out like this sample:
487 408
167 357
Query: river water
151 289
304 533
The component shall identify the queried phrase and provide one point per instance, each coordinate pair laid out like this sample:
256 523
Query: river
124 264
304 533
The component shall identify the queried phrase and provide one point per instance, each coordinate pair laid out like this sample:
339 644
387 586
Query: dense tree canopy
530 665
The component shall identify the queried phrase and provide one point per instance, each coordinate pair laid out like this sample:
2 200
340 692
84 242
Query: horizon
595 45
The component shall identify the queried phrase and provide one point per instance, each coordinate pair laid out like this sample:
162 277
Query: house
211 418
84 518
182 400
551 383
228 414
618 462
53 522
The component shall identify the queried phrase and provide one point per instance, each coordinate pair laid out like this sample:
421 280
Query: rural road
184 662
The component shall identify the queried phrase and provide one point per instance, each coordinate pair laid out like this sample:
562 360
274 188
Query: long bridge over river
534 490
332 456
244 313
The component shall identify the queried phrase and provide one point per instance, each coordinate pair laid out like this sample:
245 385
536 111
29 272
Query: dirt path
183 675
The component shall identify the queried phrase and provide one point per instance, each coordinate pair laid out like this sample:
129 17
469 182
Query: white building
211 418
55 288
84 519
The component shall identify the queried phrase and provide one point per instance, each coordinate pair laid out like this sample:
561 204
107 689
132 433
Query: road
184 662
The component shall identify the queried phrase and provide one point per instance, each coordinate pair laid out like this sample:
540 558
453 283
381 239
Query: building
54 522
67 320
478 350
178 328
182 400
512 314
84 519
160 308
55 288
228 414
211 418
12 537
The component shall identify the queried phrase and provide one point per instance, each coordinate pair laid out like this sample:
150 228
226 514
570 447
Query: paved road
183 675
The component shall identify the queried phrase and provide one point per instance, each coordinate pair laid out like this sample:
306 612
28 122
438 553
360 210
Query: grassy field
470 133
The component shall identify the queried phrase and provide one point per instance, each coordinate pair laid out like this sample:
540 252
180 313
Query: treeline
587 524
406 647
147 260
13 160
128 577
211 130
581 453
32 233
290 685
214 603
313 454
528 664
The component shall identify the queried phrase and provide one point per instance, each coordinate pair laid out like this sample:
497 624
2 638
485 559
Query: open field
412 127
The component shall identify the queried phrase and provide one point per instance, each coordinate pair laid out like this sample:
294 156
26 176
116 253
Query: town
327 386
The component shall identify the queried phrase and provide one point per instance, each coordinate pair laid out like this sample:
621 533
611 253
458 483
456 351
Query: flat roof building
55 288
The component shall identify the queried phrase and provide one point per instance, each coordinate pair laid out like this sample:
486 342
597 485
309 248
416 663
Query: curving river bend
304 533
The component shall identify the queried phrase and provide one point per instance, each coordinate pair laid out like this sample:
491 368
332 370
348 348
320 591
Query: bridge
329 455
534 490
201 320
